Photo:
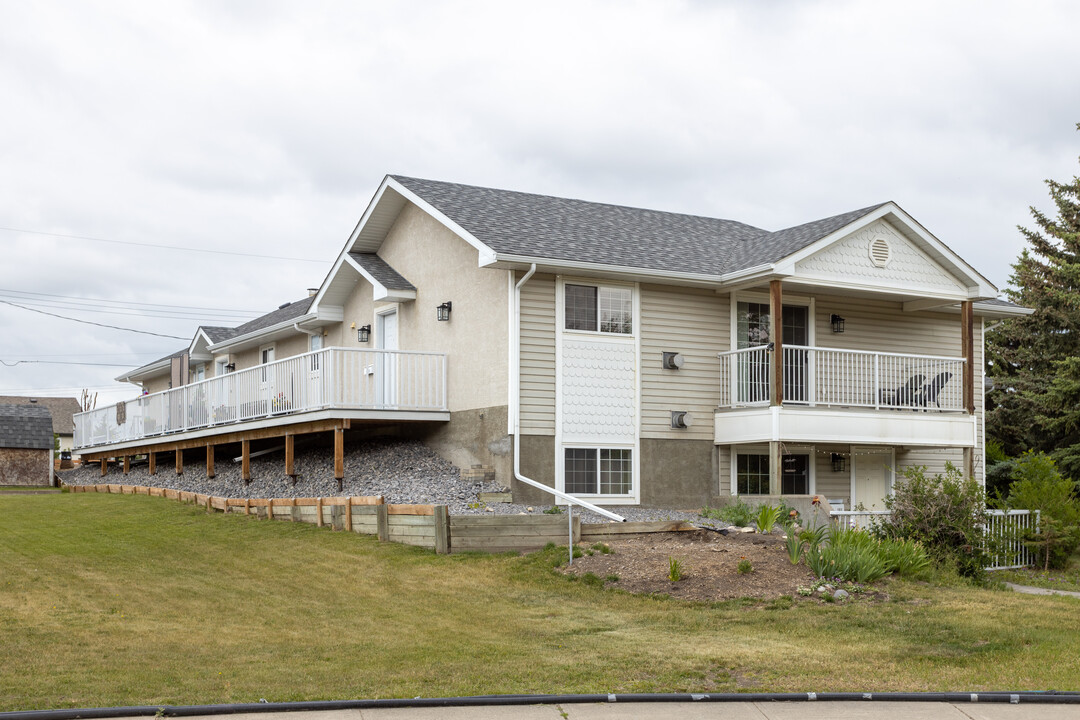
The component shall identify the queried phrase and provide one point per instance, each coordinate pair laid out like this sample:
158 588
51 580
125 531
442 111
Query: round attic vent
880 252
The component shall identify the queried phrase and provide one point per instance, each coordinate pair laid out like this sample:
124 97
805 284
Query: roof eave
263 332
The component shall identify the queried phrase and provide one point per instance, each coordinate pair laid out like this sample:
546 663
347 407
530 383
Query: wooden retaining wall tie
348 514
318 512
270 509
442 530
382 518
247 506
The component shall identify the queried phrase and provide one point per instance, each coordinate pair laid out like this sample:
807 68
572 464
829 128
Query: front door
873 479
753 331
386 362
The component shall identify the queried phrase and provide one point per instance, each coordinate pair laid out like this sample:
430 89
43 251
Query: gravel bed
405 472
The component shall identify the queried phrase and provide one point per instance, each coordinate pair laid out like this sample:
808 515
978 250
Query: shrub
675 569
767 517
945 514
1040 486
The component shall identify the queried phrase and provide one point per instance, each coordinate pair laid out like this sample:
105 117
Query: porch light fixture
363 333
442 312
837 323
839 462
231 367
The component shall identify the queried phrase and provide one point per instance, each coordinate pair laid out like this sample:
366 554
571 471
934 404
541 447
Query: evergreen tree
1026 354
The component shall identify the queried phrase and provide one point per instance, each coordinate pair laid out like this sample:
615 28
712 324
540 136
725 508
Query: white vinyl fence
846 378
346 378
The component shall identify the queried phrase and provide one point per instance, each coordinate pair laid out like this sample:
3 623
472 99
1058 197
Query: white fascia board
148 371
329 280
380 291
988 310
257 334
549 264
486 253
978 286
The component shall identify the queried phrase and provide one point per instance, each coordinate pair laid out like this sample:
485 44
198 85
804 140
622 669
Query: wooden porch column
776 337
127 464
104 466
209 460
179 461
776 379
290 469
339 453
245 462
967 345
152 456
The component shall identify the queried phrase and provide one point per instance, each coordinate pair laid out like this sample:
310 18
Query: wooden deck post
152 456
209 460
290 469
104 466
339 453
967 342
245 462
179 462
127 464
776 379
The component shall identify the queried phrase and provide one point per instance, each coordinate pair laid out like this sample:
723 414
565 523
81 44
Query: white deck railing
1010 527
858 519
843 378
344 378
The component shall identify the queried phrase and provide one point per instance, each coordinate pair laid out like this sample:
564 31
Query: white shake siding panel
599 392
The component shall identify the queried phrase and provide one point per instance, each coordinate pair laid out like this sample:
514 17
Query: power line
59 362
134 312
131 302
91 322
161 247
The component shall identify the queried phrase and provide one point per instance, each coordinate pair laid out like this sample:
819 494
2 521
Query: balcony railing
341 378
843 378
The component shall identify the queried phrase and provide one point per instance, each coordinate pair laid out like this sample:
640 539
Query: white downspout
516 362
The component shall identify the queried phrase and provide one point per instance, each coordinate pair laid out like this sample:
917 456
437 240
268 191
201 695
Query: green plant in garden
945 514
795 548
737 513
813 537
1040 486
767 517
675 569
553 510
745 567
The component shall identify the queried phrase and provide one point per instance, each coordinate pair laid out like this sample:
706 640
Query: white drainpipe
515 351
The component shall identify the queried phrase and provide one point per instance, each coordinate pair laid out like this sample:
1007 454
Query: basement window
599 471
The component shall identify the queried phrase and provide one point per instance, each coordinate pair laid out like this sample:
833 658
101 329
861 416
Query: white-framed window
752 473
598 471
598 308
266 356
316 344
220 368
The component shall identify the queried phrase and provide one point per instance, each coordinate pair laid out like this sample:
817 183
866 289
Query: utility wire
91 322
59 362
161 247
167 306
134 312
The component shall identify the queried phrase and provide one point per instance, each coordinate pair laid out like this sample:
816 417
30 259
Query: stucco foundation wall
20 466
475 437
537 463
677 474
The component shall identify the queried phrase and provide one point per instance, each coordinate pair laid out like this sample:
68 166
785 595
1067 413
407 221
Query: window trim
585 282
634 463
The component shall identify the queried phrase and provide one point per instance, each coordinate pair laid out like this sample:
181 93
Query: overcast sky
265 127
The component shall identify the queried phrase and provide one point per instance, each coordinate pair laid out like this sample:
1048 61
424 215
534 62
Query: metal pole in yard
570 518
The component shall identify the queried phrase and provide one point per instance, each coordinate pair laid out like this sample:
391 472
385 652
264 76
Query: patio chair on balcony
903 396
931 390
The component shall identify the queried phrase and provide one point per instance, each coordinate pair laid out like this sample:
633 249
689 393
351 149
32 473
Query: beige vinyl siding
827 483
724 465
694 323
538 355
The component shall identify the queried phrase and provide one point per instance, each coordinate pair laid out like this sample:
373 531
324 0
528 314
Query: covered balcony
325 387
849 396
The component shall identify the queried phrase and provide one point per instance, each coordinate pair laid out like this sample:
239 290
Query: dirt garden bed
709 565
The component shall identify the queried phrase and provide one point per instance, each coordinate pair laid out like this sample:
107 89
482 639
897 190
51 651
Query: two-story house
621 355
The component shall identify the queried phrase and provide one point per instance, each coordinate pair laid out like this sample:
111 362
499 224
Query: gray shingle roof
288 311
61 408
517 223
26 426
387 276
218 334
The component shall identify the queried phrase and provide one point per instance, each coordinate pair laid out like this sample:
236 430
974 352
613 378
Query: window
316 344
599 471
753 475
220 367
599 309
266 355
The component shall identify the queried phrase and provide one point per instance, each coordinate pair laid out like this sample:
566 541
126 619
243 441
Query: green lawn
115 600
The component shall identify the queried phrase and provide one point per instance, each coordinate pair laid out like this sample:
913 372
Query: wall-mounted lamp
231 367
681 419
837 323
363 333
672 361
839 462
442 312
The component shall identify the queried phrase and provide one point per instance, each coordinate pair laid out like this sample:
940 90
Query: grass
1066 579
120 600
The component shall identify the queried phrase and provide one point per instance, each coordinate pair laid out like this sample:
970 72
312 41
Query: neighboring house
26 445
633 356
62 409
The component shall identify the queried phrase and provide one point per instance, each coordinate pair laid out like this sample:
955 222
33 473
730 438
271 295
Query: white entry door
386 363
873 479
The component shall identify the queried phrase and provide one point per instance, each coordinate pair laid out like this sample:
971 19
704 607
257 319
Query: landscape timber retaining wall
428 526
